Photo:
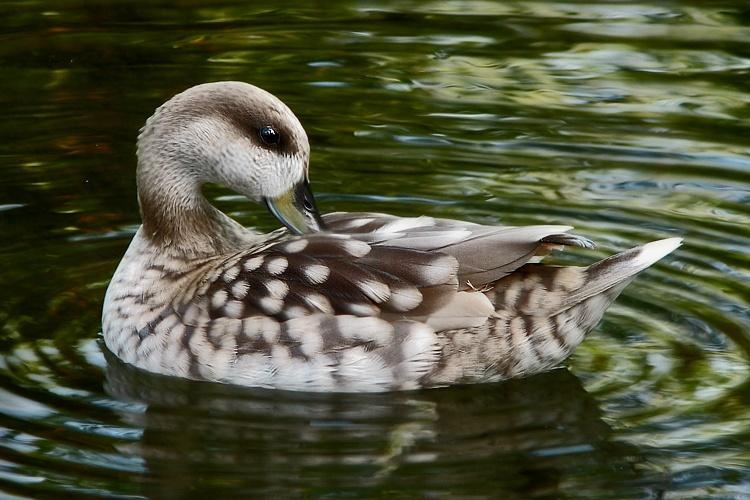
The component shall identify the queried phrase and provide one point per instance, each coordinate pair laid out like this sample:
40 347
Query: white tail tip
654 251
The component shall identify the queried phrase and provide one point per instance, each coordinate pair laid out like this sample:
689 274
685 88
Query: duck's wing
485 254
422 268
331 274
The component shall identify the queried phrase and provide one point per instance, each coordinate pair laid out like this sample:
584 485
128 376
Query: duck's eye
270 136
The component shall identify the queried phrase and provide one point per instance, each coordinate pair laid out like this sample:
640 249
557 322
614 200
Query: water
628 120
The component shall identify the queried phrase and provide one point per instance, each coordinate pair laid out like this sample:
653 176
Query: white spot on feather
404 223
219 299
405 299
420 352
567 278
231 274
253 263
174 359
314 374
362 309
252 369
270 330
295 246
239 289
277 265
357 223
375 290
277 289
363 371
307 332
295 312
261 326
365 329
234 308
319 302
356 248
271 305
512 292
525 359
316 273
440 270
191 315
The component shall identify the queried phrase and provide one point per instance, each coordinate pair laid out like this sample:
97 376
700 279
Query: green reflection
627 120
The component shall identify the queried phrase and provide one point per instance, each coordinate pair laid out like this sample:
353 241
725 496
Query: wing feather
329 274
418 268
485 254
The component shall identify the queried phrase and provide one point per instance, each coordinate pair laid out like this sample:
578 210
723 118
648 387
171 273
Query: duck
341 302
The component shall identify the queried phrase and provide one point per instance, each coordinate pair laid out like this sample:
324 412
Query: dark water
629 120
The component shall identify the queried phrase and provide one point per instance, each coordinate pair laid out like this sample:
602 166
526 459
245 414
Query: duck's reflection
526 437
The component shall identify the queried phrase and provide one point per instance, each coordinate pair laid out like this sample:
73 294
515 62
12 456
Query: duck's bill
296 209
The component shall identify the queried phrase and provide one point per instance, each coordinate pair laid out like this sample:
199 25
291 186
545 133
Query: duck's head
233 134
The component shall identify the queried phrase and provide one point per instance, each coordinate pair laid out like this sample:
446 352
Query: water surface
628 120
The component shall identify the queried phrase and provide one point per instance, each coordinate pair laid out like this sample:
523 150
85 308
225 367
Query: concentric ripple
629 121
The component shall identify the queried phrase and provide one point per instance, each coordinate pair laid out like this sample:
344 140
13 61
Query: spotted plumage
346 302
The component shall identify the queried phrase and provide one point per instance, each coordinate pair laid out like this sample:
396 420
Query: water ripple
627 120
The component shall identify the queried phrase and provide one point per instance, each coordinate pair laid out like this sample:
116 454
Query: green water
628 120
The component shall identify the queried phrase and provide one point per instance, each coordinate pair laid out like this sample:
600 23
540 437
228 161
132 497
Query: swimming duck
343 302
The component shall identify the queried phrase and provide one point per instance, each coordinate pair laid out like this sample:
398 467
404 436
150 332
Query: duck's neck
177 215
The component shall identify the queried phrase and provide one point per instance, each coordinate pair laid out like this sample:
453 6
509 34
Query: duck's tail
620 268
544 312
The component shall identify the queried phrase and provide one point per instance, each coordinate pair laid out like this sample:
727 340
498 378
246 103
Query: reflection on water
627 120
199 435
